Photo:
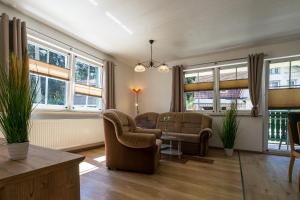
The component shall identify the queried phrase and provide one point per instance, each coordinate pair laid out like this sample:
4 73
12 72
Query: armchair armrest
137 140
207 130
156 132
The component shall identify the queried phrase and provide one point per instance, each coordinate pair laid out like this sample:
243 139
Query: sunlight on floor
86 167
100 159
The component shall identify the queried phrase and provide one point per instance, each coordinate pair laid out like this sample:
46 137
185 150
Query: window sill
65 114
211 113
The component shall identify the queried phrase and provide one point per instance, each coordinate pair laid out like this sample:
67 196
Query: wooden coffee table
168 149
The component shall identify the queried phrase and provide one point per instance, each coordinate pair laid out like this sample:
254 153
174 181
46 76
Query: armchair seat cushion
192 138
156 132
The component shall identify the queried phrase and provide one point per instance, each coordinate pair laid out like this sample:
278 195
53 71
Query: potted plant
16 100
229 130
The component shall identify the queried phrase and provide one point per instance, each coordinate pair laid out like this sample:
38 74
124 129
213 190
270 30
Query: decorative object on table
229 130
137 92
141 67
16 100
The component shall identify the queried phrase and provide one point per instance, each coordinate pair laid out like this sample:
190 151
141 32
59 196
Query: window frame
216 88
70 57
46 106
93 64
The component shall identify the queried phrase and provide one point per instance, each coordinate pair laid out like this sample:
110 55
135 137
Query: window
284 88
199 90
49 91
217 88
47 55
88 79
274 84
274 70
57 87
234 88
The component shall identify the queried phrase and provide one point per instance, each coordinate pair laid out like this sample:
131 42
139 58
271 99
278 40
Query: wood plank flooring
265 178
190 181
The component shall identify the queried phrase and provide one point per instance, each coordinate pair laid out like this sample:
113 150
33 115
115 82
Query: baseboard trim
84 147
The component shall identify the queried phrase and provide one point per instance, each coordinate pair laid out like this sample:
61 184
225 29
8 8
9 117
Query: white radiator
66 133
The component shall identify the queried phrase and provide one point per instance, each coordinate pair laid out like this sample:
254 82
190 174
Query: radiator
66 133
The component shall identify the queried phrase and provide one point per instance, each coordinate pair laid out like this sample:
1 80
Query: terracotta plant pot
228 152
18 151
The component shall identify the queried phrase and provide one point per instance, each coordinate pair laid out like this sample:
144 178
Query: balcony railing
278 127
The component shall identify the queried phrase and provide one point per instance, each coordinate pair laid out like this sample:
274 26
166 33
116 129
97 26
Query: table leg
179 149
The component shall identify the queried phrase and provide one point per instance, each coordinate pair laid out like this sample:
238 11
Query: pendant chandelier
141 67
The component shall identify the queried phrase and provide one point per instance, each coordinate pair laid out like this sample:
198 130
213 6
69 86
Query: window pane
80 99
279 75
57 59
38 85
295 73
200 100
242 73
31 51
43 54
81 73
94 102
205 76
87 101
94 77
190 78
56 92
240 97
228 74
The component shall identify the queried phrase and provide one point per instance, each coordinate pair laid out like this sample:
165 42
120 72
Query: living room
131 100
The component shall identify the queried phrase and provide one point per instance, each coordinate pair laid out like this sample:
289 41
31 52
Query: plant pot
228 152
18 151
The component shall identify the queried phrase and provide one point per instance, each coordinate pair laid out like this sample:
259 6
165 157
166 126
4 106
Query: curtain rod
216 62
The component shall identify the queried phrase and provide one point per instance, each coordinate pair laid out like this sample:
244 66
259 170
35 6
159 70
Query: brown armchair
127 149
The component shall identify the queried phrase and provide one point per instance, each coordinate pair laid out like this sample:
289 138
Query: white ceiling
182 28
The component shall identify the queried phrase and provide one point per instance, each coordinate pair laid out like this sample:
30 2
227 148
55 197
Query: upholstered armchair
126 148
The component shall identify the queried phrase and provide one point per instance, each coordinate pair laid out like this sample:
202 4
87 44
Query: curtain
177 102
255 68
109 70
13 39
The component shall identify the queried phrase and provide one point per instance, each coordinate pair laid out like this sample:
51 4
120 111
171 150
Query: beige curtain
13 38
177 102
109 71
255 68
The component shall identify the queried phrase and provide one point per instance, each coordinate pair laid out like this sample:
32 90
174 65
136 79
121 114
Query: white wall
156 95
124 77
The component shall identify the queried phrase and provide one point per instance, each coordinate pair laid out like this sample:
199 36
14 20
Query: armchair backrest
147 120
293 119
127 122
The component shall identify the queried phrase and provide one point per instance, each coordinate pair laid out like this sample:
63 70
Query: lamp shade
139 68
163 68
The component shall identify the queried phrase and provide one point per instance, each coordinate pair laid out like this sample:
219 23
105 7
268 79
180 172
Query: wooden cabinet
46 174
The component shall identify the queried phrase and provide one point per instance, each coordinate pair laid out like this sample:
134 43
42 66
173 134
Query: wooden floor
265 177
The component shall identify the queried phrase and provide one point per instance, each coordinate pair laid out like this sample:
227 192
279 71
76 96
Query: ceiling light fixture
94 2
141 67
118 22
